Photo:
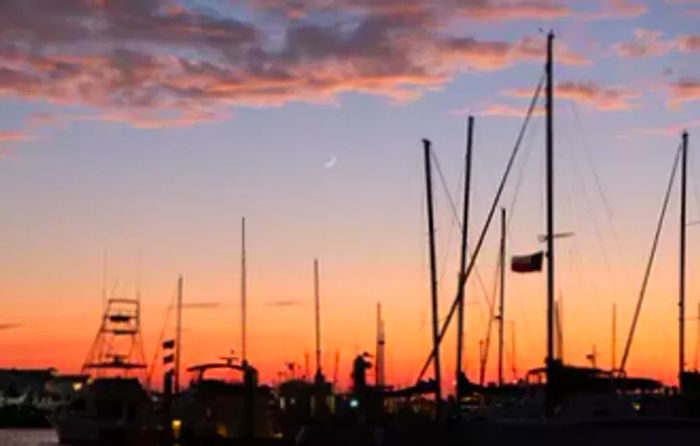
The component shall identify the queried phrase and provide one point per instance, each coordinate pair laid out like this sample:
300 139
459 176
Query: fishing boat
223 402
111 407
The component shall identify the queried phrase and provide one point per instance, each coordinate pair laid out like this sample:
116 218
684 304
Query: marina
380 368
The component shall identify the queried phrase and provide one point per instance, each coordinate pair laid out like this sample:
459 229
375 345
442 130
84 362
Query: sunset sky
140 132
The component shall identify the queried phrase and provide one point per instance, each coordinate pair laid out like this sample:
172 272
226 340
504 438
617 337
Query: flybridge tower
118 346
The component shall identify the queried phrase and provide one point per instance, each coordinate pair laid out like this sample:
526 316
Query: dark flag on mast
168 354
528 263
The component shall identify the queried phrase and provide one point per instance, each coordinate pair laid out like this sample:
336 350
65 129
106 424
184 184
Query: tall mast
178 334
378 340
433 278
463 259
379 357
482 363
514 355
697 342
549 405
613 350
244 355
335 368
317 306
501 314
559 324
681 294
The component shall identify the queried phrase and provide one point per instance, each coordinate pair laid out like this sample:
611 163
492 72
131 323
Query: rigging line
650 262
589 158
443 182
448 255
596 227
457 221
596 180
511 213
487 224
521 177
695 182
489 324
160 338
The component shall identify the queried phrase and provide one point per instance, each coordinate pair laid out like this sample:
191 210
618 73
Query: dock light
636 406
354 403
77 386
176 425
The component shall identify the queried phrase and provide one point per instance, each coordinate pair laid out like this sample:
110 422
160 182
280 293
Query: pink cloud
617 9
687 12
482 10
670 130
13 136
684 90
647 43
154 120
514 10
507 111
591 94
40 119
689 43
494 55
598 97
9 138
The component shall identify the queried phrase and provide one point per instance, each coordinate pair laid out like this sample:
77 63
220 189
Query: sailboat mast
335 368
550 223
379 357
514 355
244 297
681 294
501 314
614 338
433 278
463 256
559 324
317 306
697 342
178 334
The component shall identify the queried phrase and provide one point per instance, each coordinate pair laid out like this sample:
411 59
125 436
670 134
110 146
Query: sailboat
689 381
224 400
563 403
305 404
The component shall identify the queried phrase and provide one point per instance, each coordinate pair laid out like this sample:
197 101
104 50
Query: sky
135 135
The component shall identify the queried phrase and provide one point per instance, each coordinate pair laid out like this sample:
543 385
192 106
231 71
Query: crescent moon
330 163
